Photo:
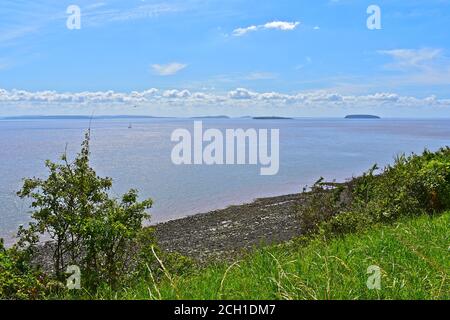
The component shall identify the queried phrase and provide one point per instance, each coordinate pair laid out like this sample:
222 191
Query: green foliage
177 264
412 255
346 222
109 238
413 185
17 279
323 202
155 264
88 227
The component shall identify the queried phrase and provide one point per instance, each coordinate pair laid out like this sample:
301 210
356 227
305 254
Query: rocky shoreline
225 232
220 234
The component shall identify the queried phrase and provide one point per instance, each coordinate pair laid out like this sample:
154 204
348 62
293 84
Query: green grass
413 256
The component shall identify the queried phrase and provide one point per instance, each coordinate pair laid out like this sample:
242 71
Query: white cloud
417 67
241 31
177 94
168 69
143 11
78 97
281 25
273 96
47 18
241 93
412 58
278 25
239 97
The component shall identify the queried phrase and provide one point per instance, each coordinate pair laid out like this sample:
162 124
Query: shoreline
226 232
244 199
219 234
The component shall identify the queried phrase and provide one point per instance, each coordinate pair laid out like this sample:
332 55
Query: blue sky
234 57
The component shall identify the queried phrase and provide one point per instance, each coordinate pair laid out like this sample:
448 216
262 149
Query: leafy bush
154 263
413 185
17 279
322 203
88 227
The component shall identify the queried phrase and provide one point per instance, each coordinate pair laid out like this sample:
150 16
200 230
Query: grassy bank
391 221
412 254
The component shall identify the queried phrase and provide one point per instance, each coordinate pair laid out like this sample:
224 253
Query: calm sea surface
140 158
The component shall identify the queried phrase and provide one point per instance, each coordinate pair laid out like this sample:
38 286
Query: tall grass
413 256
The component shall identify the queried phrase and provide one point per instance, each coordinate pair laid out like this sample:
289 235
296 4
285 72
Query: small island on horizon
211 117
272 118
361 116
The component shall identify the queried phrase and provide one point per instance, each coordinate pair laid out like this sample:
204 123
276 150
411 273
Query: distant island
78 117
271 118
361 116
211 117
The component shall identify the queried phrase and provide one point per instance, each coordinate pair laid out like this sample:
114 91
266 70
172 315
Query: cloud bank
237 98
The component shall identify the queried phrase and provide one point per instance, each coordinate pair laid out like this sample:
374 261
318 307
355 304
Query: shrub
88 227
17 279
413 185
324 202
159 262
